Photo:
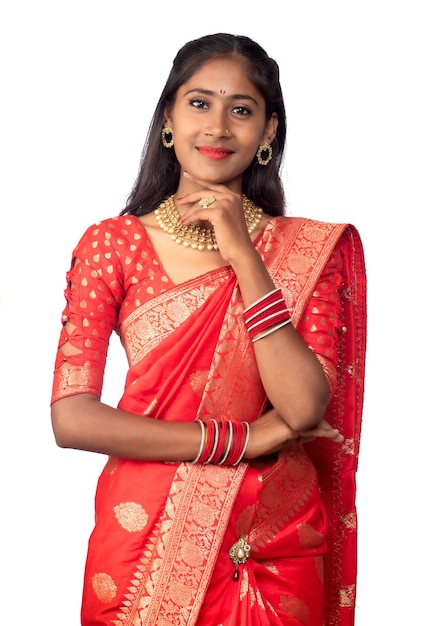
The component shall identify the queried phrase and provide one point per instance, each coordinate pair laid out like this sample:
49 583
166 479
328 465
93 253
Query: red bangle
239 435
209 440
280 305
268 311
228 445
244 448
215 439
223 430
267 322
223 442
259 305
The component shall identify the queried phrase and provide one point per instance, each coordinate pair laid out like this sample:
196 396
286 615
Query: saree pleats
278 509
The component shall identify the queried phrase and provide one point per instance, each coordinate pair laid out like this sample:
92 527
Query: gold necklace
194 236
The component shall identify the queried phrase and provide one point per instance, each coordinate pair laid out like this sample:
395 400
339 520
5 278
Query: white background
79 82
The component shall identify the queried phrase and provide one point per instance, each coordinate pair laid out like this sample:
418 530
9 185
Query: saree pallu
158 554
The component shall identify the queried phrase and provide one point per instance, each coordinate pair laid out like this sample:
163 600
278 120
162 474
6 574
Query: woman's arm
83 422
291 374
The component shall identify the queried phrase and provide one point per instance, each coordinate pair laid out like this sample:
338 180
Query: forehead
227 75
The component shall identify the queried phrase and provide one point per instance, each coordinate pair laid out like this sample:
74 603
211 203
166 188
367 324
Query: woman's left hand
323 429
225 214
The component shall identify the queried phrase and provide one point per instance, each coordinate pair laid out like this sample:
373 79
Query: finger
306 439
195 214
207 196
206 201
330 433
203 206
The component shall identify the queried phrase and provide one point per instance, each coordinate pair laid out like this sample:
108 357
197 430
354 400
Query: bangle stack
266 315
223 442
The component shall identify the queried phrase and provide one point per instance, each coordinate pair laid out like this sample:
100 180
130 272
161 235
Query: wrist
222 442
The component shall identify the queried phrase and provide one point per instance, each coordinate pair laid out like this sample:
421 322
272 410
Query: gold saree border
147 326
183 548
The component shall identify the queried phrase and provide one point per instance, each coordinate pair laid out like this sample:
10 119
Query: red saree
158 554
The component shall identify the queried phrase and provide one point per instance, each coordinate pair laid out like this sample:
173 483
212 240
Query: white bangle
201 447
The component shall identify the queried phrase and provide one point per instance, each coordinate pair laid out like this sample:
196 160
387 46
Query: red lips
212 152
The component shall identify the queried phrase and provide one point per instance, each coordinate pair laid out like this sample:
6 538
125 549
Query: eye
241 110
198 103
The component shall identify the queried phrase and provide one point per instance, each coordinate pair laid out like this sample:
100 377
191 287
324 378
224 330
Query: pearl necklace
194 236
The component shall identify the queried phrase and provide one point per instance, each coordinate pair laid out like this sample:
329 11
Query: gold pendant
239 553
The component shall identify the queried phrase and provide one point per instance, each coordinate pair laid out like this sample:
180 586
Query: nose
217 125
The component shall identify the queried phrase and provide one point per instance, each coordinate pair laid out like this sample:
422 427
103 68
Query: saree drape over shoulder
159 551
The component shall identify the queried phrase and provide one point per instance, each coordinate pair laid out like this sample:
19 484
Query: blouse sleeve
93 296
321 325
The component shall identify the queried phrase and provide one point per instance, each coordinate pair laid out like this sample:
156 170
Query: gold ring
205 202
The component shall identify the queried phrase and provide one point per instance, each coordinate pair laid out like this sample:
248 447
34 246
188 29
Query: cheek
185 123
183 145
253 138
253 144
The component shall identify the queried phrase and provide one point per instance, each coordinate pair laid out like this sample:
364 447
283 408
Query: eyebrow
235 96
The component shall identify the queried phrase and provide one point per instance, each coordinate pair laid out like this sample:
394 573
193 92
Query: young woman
229 493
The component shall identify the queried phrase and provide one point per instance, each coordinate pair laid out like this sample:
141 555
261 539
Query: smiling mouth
214 153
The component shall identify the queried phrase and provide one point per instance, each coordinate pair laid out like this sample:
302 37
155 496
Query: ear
167 116
270 129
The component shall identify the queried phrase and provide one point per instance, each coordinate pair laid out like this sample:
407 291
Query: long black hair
159 170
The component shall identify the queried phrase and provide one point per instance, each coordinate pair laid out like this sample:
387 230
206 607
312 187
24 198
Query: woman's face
218 120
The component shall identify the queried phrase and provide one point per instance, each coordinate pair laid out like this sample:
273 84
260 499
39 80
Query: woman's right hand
271 433
268 434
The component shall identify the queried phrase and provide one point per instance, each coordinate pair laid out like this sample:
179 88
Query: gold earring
167 132
265 147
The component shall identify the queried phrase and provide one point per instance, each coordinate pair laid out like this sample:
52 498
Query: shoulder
302 230
337 242
120 225
308 240
287 222
118 232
